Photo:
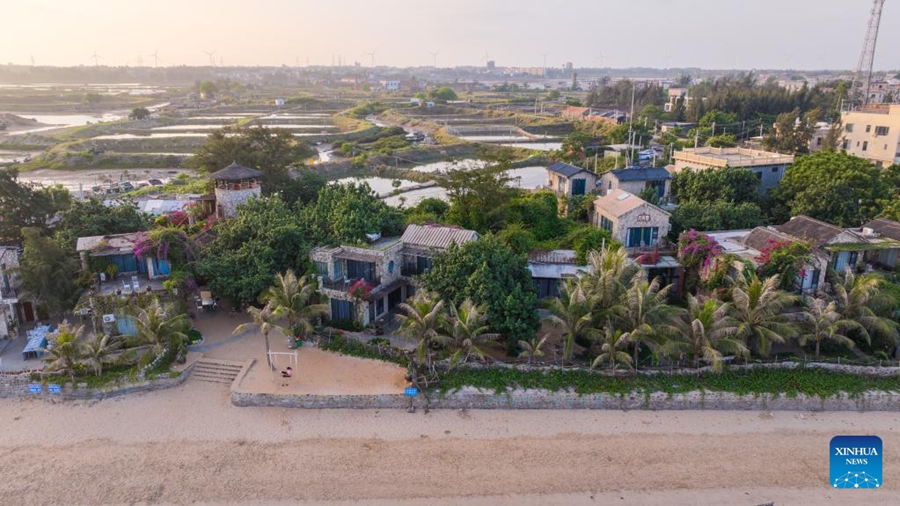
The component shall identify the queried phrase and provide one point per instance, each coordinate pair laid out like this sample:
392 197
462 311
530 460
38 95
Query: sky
713 34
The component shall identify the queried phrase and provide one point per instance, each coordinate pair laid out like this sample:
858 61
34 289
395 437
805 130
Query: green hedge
789 382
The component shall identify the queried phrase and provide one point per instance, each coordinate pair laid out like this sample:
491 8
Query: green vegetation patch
788 382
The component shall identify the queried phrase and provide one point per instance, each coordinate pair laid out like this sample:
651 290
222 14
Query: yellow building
873 133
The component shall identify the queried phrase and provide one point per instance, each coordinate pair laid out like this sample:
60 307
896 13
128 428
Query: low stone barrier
17 385
472 398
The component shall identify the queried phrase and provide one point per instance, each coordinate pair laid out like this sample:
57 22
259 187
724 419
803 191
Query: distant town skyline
710 34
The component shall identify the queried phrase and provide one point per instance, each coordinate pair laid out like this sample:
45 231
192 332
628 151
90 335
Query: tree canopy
837 188
49 272
729 184
92 217
266 236
478 197
273 151
488 272
23 205
345 213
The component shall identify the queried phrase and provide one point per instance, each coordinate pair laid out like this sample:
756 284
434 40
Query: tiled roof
557 256
433 236
809 229
884 227
760 237
564 169
107 243
648 174
619 202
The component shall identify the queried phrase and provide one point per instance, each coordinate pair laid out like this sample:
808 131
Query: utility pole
631 120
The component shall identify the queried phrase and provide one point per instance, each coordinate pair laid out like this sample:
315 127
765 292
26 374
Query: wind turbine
372 57
434 58
155 56
96 58
212 60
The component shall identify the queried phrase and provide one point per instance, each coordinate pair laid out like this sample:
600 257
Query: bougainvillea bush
785 259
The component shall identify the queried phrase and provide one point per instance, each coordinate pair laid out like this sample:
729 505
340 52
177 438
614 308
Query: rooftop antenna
434 57
862 79
96 58
155 56
372 57
212 59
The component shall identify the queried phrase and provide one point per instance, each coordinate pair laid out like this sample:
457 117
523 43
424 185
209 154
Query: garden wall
16 385
470 398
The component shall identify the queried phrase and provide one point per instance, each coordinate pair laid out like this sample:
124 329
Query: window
865 145
868 128
606 223
849 128
882 130
642 236
379 308
322 269
759 175
846 144
774 169
818 141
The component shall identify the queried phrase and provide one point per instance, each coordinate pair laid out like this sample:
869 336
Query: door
578 186
28 311
341 310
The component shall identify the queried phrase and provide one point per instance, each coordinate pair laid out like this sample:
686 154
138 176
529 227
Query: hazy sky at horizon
718 34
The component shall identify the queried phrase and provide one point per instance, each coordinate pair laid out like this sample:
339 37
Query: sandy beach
190 445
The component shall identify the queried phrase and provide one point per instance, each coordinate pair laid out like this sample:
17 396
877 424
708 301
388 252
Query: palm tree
612 272
290 299
97 350
645 315
610 343
571 311
159 326
467 327
422 320
824 322
758 308
263 320
859 298
533 348
708 329
65 352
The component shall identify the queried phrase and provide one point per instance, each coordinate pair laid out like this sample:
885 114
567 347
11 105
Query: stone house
635 180
631 220
832 247
569 180
365 283
119 250
13 309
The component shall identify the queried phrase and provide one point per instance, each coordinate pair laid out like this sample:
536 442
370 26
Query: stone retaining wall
17 386
471 398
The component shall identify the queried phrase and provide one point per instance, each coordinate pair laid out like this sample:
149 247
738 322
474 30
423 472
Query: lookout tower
235 185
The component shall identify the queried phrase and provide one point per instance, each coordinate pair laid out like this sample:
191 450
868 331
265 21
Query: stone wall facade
16 385
227 201
471 398
646 215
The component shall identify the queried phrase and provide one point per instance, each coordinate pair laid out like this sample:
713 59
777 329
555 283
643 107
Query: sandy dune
189 445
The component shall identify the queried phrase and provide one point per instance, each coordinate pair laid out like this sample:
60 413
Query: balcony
343 285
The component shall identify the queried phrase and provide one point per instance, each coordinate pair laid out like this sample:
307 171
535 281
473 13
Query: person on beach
287 373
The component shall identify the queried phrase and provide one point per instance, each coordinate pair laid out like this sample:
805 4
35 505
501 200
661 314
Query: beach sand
190 445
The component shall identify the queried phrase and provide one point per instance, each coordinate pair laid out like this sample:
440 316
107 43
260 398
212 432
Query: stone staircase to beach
216 371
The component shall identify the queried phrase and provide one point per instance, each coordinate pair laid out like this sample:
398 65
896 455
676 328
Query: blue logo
411 391
856 462
54 388
35 389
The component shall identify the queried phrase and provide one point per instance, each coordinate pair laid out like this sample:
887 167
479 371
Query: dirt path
189 445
